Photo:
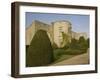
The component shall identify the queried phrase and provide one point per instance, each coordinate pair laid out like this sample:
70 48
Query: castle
54 31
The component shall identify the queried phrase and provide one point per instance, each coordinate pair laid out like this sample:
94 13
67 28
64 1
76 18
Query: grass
62 54
63 57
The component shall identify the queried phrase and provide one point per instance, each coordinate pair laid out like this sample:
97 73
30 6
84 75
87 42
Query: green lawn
62 54
63 57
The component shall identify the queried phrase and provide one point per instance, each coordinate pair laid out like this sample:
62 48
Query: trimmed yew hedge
40 51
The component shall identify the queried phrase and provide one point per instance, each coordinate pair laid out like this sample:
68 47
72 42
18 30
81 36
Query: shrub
88 43
66 39
58 53
40 51
74 44
83 43
75 51
54 46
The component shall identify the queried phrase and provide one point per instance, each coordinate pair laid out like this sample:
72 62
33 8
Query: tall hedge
40 51
83 43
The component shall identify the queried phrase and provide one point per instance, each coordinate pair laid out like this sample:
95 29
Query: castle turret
59 28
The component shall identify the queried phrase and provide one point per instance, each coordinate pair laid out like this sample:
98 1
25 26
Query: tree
82 40
88 43
83 43
74 44
66 40
40 51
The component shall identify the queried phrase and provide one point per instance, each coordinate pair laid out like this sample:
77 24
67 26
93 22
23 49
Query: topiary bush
27 46
40 51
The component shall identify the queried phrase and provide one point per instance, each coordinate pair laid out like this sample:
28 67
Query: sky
80 23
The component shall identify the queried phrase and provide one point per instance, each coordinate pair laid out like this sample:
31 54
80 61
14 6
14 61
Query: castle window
60 29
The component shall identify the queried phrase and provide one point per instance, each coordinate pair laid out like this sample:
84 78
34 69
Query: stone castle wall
33 28
54 31
78 35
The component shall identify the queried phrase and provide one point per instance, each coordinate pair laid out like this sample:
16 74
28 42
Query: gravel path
80 59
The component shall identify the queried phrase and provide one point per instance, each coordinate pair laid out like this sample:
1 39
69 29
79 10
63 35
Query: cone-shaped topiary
40 51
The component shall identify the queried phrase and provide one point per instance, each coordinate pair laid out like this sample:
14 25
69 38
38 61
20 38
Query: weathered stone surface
54 31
